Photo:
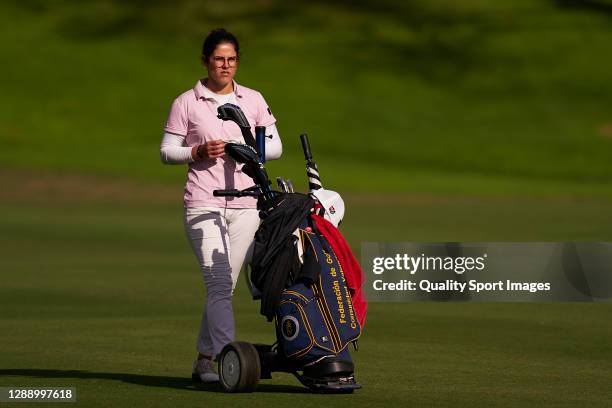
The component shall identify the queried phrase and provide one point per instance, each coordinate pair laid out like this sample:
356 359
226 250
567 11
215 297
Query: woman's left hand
210 150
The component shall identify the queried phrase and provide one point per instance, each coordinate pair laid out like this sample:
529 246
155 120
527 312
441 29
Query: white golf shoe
204 370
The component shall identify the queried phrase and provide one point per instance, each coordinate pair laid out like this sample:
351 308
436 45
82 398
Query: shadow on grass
180 383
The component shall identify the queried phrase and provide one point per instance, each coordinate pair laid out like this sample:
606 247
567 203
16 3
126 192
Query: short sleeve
265 116
177 119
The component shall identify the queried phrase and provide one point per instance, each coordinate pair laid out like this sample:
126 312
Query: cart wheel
239 367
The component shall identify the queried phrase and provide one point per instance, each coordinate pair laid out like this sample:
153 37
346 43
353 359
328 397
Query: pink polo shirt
194 115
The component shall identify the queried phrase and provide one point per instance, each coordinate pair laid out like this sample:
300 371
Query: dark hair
216 37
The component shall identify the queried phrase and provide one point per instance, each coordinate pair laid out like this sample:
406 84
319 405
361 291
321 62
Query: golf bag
303 287
315 319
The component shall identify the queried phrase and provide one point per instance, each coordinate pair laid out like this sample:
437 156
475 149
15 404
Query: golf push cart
304 274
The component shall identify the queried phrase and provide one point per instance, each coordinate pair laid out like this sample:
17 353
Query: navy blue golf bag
315 320
303 289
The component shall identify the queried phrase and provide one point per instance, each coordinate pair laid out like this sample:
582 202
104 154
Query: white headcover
333 204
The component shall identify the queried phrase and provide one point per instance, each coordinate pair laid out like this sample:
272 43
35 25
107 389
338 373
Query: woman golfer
220 229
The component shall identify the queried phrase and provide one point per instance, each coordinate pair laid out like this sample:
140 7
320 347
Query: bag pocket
302 331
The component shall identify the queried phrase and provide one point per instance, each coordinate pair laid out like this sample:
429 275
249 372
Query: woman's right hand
208 150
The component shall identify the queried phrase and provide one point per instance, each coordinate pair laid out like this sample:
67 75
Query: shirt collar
202 92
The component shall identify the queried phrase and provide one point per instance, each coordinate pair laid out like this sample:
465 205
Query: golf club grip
306 147
260 140
312 172
226 193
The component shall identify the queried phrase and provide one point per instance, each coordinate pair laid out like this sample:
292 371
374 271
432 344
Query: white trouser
221 239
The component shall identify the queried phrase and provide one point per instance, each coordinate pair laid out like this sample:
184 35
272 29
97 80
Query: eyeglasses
221 61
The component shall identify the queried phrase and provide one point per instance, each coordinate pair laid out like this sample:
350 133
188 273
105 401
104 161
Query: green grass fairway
101 293
437 120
